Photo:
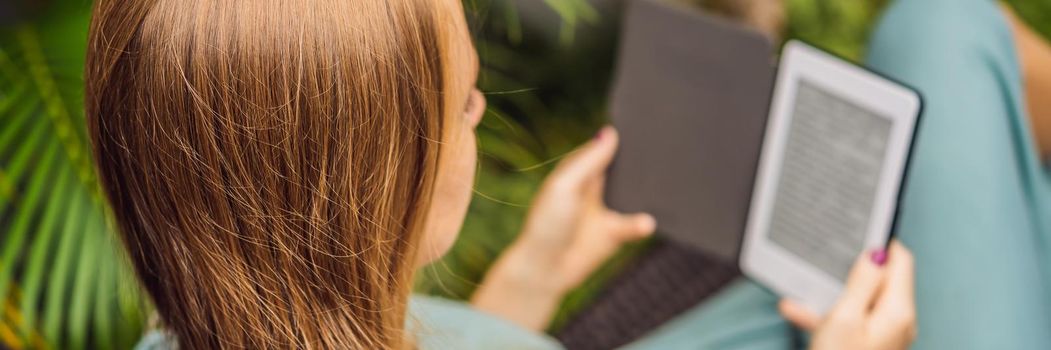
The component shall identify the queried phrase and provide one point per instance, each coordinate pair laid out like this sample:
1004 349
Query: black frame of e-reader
774 266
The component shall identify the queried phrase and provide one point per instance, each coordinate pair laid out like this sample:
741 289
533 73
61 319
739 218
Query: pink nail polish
879 256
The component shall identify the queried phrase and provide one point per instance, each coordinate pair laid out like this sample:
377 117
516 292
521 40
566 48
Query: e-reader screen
828 179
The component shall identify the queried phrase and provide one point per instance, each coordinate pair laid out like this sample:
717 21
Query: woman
280 169
977 203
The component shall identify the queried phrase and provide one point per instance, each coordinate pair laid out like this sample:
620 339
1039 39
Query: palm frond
60 265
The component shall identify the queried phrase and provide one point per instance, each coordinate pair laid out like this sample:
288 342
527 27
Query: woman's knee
918 38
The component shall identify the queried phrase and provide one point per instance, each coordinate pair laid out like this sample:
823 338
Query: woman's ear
475 109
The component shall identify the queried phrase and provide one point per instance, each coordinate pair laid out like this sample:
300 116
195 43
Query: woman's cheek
452 196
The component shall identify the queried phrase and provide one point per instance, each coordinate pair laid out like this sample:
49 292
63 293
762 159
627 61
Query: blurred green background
64 282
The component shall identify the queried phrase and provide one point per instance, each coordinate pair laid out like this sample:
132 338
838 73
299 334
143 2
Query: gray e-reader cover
690 103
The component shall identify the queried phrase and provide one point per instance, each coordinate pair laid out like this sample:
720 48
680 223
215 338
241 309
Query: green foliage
1036 13
60 267
842 27
546 95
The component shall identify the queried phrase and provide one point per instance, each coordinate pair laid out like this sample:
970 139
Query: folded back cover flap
690 102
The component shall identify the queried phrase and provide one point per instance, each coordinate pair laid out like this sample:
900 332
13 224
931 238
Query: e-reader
833 160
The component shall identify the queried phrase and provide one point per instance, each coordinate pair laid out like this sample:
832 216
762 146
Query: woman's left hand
568 234
877 310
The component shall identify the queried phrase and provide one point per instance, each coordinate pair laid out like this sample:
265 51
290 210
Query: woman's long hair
270 163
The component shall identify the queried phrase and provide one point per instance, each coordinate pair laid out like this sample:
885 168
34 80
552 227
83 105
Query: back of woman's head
268 161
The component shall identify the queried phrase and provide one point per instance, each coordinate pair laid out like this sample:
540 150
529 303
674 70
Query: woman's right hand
877 310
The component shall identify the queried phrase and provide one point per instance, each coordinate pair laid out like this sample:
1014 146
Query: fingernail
598 135
879 256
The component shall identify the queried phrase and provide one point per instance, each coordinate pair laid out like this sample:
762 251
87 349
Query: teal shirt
434 323
446 324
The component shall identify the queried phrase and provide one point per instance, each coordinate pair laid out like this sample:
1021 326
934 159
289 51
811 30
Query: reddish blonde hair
270 162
